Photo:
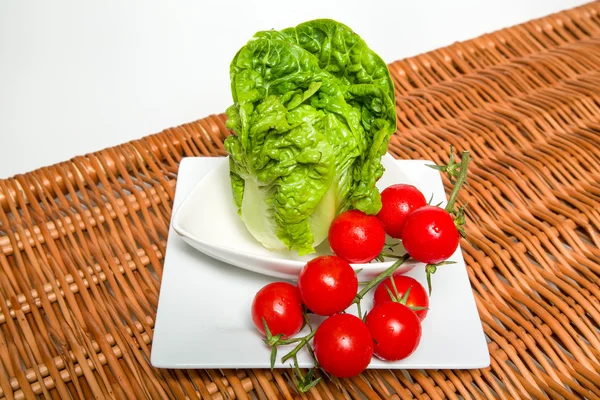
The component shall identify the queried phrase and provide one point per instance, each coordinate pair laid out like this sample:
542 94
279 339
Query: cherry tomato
343 345
279 303
396 331
397 201
429 235
417 297
356 236
327 285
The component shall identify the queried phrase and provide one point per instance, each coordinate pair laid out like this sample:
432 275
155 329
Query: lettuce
313 112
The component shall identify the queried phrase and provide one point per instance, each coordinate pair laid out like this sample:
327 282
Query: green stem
462 176
307 320
283 342
300 345
390 255
380 278
298 368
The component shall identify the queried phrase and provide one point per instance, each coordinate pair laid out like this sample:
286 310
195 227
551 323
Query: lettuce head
313 112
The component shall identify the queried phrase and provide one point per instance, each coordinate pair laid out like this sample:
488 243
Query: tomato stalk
303 342
457 174
383 254
306 320
304 382
461 176
377 280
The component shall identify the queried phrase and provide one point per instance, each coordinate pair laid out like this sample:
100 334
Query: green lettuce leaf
313 113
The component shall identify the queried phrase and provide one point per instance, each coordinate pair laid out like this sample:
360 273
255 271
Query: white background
79 76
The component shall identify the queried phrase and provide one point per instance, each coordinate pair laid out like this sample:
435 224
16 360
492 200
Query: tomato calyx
395 296
431 269
460 220
275 340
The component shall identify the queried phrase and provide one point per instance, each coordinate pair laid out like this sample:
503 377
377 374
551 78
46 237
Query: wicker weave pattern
82 242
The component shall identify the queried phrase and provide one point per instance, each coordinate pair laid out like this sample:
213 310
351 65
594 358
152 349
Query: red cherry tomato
429 235
327 285
397 201
343 345
396 331
356 236
279 303
417 297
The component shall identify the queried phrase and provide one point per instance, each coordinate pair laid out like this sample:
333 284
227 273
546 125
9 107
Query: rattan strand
82 242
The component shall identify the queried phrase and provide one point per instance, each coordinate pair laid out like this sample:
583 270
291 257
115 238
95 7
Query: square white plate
203 318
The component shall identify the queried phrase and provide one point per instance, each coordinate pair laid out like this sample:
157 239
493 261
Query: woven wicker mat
82 242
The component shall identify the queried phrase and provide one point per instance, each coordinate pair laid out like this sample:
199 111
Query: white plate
207 220
203 318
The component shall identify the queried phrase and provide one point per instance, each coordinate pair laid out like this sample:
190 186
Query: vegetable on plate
405 289
356 236
397 202
313 112
327 285
343 345
396 330
277 307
